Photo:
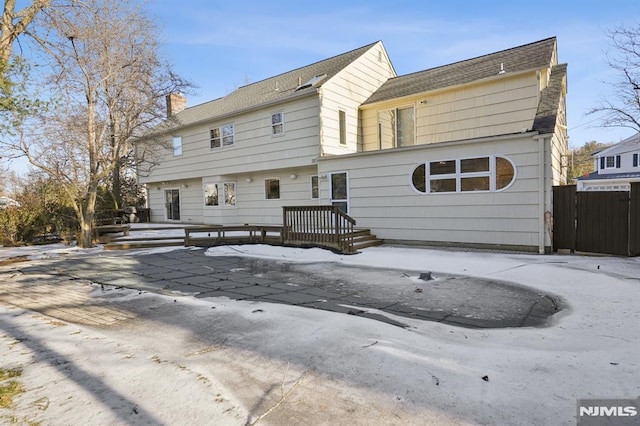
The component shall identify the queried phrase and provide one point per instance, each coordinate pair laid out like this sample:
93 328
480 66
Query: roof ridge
479 57
365 47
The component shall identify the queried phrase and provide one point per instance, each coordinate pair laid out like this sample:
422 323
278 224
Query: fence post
634 219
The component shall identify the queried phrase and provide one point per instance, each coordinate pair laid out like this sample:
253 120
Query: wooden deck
306 226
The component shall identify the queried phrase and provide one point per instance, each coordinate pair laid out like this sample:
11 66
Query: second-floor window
342 118
610 162
177 145
277 123
396 128
222 136
635 160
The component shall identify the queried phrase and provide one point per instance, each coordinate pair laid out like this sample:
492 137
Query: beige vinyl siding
190 201
251 205
346 91
497 107
381 196
254 148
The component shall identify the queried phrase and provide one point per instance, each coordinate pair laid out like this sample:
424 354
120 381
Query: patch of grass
9 388
8 391
10 373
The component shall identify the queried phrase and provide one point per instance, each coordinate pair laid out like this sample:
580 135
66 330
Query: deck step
136 239
128 245
363 238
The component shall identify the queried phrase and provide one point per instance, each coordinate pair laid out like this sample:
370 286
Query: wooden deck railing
203 236
318 225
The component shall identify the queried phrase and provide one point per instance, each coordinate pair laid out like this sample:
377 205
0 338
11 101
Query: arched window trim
458 175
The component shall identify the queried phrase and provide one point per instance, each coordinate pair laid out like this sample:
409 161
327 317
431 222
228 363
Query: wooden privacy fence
318 225
597 221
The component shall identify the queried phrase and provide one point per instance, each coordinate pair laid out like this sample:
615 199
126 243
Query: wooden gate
597 222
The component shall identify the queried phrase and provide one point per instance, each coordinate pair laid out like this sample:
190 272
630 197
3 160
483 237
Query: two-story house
465 153
615 167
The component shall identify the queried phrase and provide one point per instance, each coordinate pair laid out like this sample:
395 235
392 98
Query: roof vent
502 71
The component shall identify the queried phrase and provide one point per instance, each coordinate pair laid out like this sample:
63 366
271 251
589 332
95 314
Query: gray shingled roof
269 90
596 176
546 116
527 57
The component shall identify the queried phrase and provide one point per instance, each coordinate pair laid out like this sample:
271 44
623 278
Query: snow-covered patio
181 360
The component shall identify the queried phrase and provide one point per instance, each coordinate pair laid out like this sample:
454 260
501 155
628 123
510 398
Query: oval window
505 172
418 179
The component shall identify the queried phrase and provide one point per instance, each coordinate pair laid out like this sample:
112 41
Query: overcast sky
220 45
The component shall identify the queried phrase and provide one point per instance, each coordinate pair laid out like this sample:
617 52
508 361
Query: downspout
320 124
541 194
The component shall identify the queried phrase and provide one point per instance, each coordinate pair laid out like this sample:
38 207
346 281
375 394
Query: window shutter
617 161
635 160
601 163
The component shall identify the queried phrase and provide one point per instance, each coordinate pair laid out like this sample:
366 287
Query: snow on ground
361 371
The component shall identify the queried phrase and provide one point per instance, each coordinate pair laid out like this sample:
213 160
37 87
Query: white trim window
492 173
636 163
277 123
397 127
315 191
222 136
211 195
610 162
272 189
229 193
176 143
342 125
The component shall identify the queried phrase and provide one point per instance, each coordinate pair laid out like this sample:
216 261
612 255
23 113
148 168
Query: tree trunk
115 177
85 238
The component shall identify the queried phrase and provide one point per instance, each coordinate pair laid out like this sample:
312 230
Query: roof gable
547 114
278 88
631 144
531 56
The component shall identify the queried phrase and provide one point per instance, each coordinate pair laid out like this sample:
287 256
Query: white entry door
340 191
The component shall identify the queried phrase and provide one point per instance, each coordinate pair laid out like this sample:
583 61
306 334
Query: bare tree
110 84
13 24
14 101
623 109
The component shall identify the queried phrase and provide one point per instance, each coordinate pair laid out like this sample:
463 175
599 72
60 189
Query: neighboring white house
465 153
616 167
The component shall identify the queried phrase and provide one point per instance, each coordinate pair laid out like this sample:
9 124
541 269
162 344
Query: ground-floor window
211 194
315 193
272 189
492 173
229 194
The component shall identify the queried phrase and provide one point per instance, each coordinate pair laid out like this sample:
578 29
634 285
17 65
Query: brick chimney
176 102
